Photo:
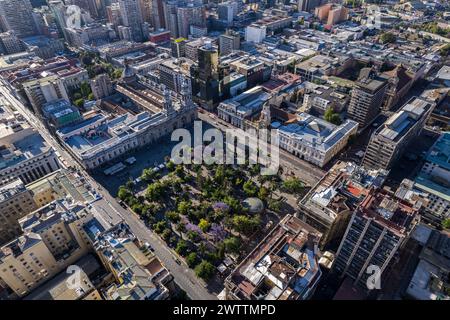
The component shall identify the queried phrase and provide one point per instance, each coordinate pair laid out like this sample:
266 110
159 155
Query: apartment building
377 229
367 97
52 239
101 86
15 202
389 141
138 275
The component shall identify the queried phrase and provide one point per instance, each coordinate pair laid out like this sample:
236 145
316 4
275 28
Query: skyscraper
132 17
17 15
308 5
208 76
190 15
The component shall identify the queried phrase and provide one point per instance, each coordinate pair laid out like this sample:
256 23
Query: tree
446 223
184 207
388 37
79 103
166 234
332 117
154 191
123 193
245 224
159 227
181 248
192 259
204 225
170 166
173 216
232 244
250 188
263 193
148 174
293 185
85 89
204 270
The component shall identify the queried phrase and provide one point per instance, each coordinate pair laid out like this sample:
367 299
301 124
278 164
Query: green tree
332 117
154 191
192 259
293 185
446 223
184 207
232 244
182 248
204 225
85 89
204 270
170 166
123 193
166 234
173 216
79 103
148 174
388 37
250 188
245 224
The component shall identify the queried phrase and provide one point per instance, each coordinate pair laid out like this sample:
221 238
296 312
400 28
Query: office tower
147 11
58 9
170 17
229 42
15 202
308 5
208 77
190 15
367 97
390 140
17 15
179 47
132 17
377 229
113 15
158 14
225 11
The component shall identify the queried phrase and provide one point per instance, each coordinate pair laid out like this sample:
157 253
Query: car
156 169
161 166
178 261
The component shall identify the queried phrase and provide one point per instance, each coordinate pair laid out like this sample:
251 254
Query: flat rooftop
27 148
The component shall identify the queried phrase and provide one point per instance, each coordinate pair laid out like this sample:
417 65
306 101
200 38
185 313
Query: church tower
168 105
186 94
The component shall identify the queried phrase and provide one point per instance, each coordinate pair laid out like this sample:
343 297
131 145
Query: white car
161 166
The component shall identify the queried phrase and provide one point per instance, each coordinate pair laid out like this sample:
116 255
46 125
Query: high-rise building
10 43
15 202
113 15
170 17
101 86
208 76
367 97
377 229
17 15
53 238
225 11
178 47
158 14
308 5
132 17
229 42
390 140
